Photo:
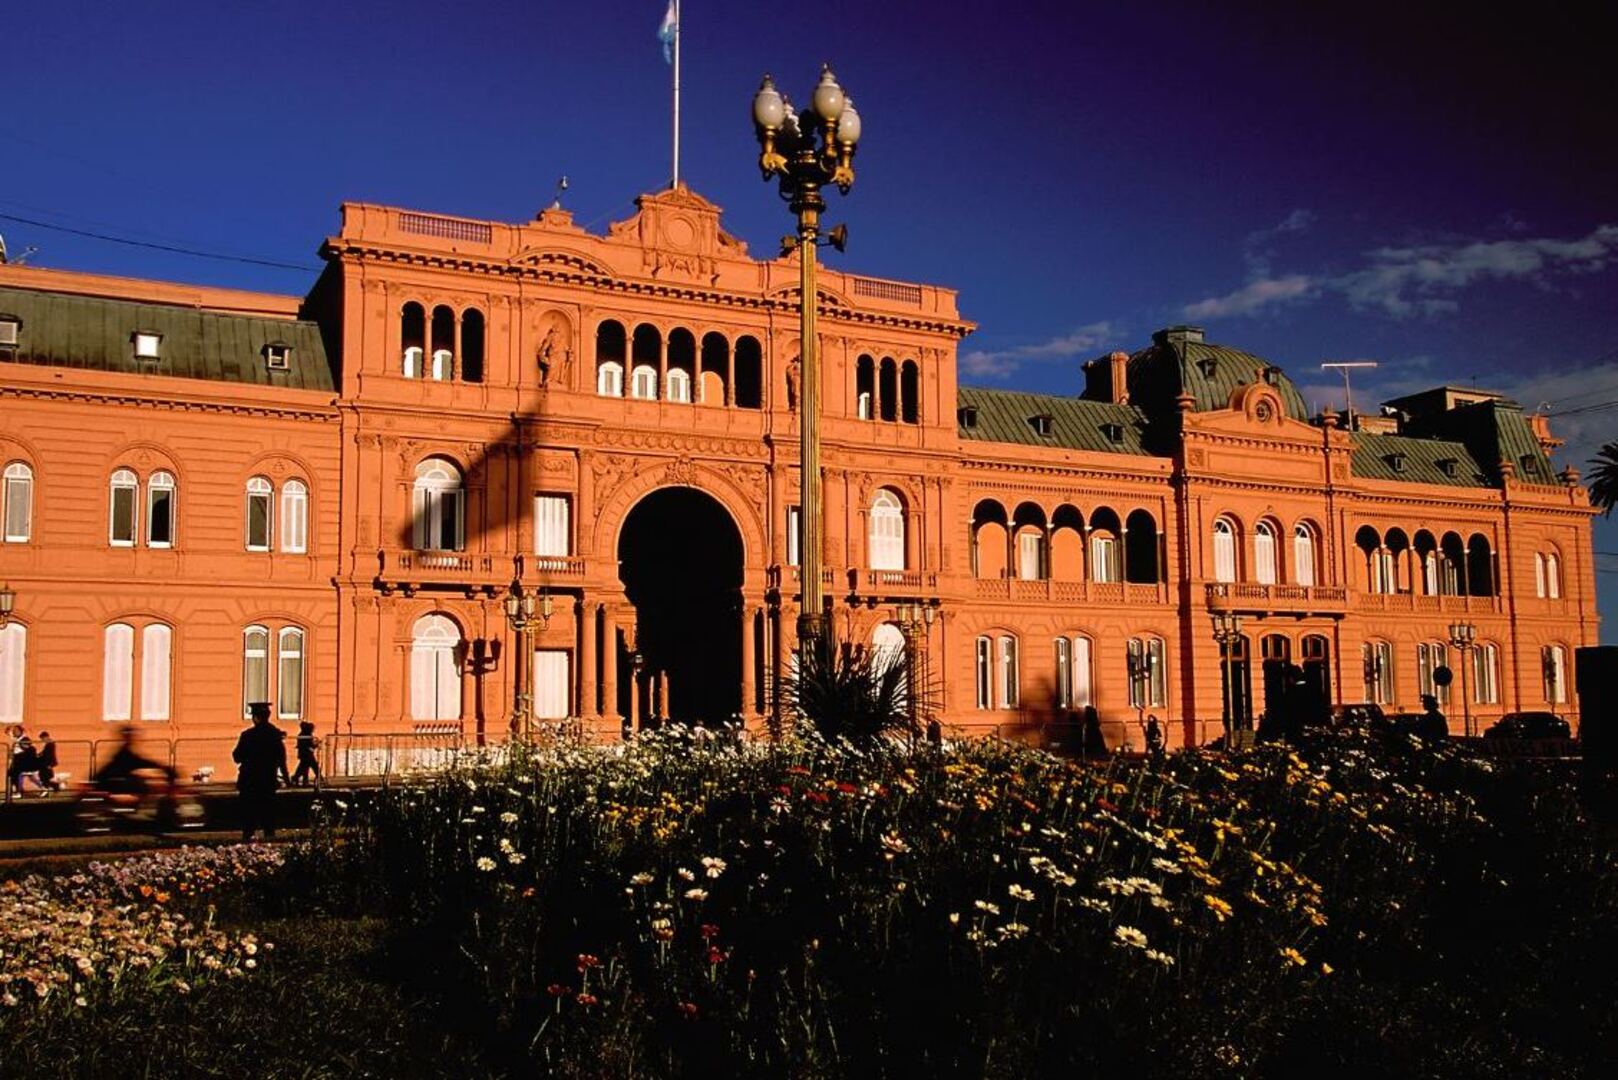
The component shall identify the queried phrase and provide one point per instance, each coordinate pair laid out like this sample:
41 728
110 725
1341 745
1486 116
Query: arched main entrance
680 559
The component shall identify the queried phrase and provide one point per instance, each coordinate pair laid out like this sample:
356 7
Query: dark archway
680 559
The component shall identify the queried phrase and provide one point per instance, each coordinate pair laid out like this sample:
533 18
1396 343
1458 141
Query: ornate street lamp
525 613
914 618
8 600
1461 635
1227 631
808 150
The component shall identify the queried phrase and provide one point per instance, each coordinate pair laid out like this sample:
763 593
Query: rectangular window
1148 680
1010 685
154 671
1028 552
552 532
1554 661
1485 675
1430 656
19 497
1064 673
118 672
794 536
258 521
985 672
1081 672
1103 560
1157 673
289 675
1378 662
13 661
553 686
146 345
123 516
295 518
160 517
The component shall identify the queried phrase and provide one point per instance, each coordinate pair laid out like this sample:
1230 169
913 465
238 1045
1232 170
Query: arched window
1073 672
295 517
1378 662
260 497
255 666
610 379
749 373
997 678
1303 554
123 499
1486 674
887 532
888 389
1148 677
1141 548
118 672
439 507
1033 560
1224 550
1553 659
155 644
1539 574
443 352
1009 684
17 495
435 682
13 666
865 388
887 644
679 386
412 339
160 500
1553 576
910 393
1105 558
1264 553
1430 656
714 359
643 383
289 674
472 345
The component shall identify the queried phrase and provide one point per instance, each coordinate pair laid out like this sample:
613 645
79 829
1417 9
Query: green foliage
1604 478
852 692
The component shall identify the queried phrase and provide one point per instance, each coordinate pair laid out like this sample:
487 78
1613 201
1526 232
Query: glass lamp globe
848 124
828 99
768 109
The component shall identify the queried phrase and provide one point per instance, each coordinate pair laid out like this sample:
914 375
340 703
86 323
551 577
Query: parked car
1529 725
1363 717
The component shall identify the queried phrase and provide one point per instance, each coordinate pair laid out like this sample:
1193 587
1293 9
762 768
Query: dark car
1529 725
1362 717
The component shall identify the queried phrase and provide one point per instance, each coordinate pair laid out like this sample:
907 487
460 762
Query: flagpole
676 181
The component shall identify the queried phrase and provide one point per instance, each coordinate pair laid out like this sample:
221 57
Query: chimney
1106 378
1118 366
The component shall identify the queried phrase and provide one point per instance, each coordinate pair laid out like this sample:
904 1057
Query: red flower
785 789
817 796
848 789
557 990
1108 805
709 931
688 1010
589 999
715 956
586 962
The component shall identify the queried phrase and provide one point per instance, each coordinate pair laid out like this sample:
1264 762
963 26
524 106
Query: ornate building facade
212 497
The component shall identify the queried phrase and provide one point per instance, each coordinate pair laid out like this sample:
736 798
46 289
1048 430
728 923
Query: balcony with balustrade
1049 591
1252 598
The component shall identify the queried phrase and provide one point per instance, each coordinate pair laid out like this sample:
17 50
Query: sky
1344 181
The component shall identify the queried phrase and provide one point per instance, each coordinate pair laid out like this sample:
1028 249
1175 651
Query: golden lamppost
808 150
1462 635
8 600
1227 631
525 613
915 620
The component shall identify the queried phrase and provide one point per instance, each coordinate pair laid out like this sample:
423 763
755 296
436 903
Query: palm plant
1604 478
853 692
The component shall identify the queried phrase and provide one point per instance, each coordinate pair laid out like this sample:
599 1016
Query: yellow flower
1218 906
1294 956
1325 968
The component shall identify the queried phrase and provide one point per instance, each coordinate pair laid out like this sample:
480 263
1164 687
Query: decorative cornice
95 397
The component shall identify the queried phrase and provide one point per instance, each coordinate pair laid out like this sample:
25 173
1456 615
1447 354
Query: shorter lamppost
914 618
8 601
1461 635
526 612
1227 631
1141 666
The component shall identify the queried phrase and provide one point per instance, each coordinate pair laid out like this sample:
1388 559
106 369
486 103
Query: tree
1604 478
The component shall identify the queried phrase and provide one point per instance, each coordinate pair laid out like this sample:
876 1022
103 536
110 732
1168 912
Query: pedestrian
24 758
1154 738
261 767
45 765
308 762
1095 744
1432 724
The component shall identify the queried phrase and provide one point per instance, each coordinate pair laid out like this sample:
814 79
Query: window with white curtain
1073 672
1553 659
1383 577
156 641
1264 553
123 497
887 644
1224 551
443 365
412 362
553 685
17 495
255 666
553 535
610 379
1486 674
1553 576
289 673
435 682
118 672
1377 658
887 532
794 536
1105 561
679 385
1430 656
1008 685
1539 574
1148 679
160 500
439 507
295 517
1303 555
862 405
1028 555
13 667
985 673
643 382
260 497
1429 573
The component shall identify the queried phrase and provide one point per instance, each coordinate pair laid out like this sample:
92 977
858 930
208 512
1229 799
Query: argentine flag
666 31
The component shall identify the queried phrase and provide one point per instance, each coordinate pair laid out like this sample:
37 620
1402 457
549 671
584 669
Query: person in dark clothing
45 763
261 767
1154 738
127 772
24 758
1095 744
308 762
1432 725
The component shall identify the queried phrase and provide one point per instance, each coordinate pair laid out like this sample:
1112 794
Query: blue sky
1349 181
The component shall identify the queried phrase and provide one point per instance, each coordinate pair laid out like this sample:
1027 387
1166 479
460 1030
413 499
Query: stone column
749 696
586 677
609 665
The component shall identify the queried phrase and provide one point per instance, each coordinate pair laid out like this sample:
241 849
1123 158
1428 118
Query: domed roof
1179 362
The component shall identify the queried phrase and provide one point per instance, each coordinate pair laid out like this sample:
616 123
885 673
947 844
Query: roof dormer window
1113 432
1207 365
1525 464
1041 423
147 343
1272 374
1447 466
10 330
278 356
1396 462
968 416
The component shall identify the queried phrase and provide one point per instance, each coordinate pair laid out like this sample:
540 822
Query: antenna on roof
561 188
1348 394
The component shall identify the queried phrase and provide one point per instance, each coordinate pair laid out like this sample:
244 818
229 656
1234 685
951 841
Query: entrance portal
680 559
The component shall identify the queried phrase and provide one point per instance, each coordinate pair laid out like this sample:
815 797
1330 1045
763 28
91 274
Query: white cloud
1001 363
1258 249
1251 297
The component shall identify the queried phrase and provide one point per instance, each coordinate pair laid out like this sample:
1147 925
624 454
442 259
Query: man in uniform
261 767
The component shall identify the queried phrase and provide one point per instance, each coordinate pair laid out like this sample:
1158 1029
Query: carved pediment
561 257
679 235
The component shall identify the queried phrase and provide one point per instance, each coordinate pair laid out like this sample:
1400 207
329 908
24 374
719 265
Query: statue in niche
546 359
794 381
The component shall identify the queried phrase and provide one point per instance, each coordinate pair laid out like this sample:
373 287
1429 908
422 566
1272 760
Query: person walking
45 764
1154 738
308 761
24 759
261 767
